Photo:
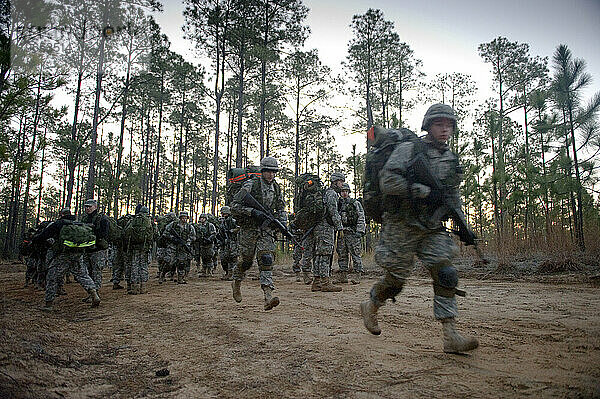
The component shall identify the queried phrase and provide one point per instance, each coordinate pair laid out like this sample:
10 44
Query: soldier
228 235
319 244
119 260
349 240
26 251
412 226
95 258
205 236
63 259
256 235
298 267
180 235
138 238
164 255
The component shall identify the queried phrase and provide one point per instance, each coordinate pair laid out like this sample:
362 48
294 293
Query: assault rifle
179 240
419 171
250 201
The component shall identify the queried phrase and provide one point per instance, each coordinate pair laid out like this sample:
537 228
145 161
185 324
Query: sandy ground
536 340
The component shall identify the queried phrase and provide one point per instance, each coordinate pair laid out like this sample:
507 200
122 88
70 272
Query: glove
259 216
466 236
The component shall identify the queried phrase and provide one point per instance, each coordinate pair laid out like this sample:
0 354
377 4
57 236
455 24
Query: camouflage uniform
137 255
95 259
181 257
228 234
349 242
119 263
204 246
164 255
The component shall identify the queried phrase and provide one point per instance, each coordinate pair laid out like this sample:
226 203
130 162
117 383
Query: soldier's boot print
368 310
328 286
298 277
270 300
117 286
342 278
94 298
453 341
236 286
306 278
134 289
316 284
47 306
355 278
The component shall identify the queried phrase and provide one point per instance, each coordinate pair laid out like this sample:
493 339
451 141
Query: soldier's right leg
395 253
55 272
118 269
248 239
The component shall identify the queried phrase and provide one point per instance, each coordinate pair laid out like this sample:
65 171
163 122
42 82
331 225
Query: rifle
419 171
250 201
179 240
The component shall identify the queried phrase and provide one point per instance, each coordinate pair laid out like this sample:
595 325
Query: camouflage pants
298 265
95 262
229 255
31 271
181 261
118 265
165 258
255 242
398 245
72 262
349 245
318 249
204 258
137 262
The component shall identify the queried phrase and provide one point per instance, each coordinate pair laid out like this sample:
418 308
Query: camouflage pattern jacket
267 194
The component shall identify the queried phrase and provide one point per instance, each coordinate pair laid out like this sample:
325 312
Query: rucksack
139 231
309 205
114 231
236 177
76 236
380 143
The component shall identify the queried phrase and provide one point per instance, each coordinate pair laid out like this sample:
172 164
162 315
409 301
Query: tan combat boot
95 298
270 301
368 310
328 286
306 278
355 278
236 285
453 341
342 278
316 284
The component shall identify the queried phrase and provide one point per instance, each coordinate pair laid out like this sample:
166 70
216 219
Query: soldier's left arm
280 209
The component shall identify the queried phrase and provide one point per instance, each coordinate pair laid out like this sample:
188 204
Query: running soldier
349 240
228 236
180 235
256 234
412 225
204 245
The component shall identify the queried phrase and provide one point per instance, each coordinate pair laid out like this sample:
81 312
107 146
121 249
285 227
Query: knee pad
265 262
445 280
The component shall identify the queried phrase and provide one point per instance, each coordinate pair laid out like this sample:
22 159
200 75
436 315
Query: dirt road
537 340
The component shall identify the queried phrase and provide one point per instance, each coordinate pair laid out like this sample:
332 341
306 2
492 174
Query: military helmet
65 212
269 163
345 187
335 176
184 214
438 111
171 214
226 210
203 215
143 209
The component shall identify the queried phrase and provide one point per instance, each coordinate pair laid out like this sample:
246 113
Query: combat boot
128 287
328 286
270 301
453 341
117 286
161 279
95 298
316 284
298 277
342 278
306 278
134 289
355 278
47 306
236 285
368 310
143 288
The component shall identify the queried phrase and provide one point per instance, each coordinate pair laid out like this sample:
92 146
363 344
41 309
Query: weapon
419 171
180 241
249 200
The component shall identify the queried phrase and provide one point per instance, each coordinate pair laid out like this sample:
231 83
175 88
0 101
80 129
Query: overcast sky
443 34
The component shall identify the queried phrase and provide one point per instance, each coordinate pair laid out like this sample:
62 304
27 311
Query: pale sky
443 34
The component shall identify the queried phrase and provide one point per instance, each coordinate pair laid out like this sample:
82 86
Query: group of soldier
413 214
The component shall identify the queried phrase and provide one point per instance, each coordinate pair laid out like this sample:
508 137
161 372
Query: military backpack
380 143
76 236
309 205
139 231
236 178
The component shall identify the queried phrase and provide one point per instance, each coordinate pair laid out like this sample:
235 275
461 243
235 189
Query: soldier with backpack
257 236
119 259
320 241
180 235
349 240
164 255
95 257
69 240
205 251
228 236
413 215
138 238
